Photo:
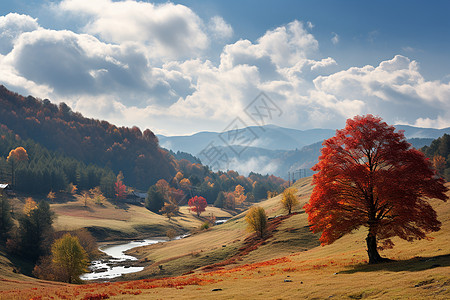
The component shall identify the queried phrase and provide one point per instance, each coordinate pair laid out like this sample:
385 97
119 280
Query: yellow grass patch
337 271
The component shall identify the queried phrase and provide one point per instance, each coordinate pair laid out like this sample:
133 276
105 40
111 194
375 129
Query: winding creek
120 263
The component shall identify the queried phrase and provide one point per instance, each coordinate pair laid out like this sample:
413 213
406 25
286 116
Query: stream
119 263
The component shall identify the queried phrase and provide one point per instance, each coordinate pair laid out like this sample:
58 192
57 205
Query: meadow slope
112 222
288 265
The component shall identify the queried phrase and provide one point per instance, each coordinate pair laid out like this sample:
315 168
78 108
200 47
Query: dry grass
223 241
126 221
337 271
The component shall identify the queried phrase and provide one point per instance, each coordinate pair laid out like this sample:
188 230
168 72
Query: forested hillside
135 153
46 171
439 153
64 147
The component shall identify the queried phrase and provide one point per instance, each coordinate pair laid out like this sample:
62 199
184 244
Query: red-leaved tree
197 204
120 189
368 175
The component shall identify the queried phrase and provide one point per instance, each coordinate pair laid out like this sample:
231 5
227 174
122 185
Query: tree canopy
69 255
439 153
256 219
289 199
6 222
91 141
368 175
35 229
154 200
197 204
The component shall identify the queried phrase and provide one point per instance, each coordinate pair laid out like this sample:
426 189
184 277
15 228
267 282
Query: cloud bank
137 63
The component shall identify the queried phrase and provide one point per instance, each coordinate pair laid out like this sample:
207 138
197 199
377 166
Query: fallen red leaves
106 290
96 296
98 291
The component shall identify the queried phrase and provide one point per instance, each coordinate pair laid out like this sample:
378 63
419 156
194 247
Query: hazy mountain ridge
275 150
269 137
137 154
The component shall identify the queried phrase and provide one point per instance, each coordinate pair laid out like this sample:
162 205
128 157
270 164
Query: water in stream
115 267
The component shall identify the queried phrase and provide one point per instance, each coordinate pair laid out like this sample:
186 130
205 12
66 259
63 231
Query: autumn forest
76 185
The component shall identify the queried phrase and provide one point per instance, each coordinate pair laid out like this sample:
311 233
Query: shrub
289 200
256 219
171 233
205 226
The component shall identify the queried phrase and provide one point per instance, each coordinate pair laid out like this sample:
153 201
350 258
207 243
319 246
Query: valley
290 259
59 191
224 150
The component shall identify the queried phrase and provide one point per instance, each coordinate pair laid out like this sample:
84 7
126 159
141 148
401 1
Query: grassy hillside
111 222
122 221
289 265
225 241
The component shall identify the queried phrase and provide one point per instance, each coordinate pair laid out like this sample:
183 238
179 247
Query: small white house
4 187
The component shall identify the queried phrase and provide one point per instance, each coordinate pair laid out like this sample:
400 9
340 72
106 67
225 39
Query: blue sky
186 66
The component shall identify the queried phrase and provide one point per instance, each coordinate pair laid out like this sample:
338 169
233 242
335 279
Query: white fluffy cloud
11 27
168 30
394 89
77 65
120 66
220 28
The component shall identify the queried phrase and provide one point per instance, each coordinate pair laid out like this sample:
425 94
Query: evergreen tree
34 231
6 222
220 200
155 200
260 191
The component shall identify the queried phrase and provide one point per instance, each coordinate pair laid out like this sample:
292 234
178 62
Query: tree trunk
374 256
12 173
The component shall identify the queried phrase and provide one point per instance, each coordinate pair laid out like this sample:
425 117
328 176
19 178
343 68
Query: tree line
439 154
223 189
135 153
43 171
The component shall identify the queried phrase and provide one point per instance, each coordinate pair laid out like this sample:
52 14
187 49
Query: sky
187 66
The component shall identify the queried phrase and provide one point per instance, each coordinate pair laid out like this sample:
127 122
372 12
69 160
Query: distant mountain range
271 149
268 137
66 147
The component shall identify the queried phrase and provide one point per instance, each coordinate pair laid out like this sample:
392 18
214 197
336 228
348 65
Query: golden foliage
97 195
70 256
18 154
29 206
51 196
289 200
72 188
256 219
